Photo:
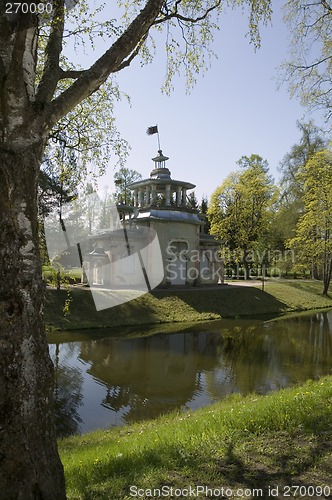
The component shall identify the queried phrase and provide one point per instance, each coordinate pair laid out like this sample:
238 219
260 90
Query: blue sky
234 110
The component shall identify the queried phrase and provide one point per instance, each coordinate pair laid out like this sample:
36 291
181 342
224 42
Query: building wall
178 240
186 260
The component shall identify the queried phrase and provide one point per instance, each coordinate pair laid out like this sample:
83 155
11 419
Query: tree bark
246 264
327 273
30 467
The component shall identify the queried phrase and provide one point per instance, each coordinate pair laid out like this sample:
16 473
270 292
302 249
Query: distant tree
59 178
122 179
204 210
192 201
313 239
240 209
293 163
107 201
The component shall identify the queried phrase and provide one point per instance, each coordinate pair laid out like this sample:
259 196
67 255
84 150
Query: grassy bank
165 306
256 442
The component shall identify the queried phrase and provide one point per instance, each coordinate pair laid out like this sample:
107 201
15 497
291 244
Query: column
140 197
153 194
184 194
178 196
135 197
168 195
147 194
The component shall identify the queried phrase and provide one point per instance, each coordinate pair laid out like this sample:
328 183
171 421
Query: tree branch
51 72
310 66
192 20
110 61
326 6
19 66
127 62
71 74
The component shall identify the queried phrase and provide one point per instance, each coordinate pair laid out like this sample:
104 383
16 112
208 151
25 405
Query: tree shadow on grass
230 301
262 463
278 463
83 313
274 459
160 306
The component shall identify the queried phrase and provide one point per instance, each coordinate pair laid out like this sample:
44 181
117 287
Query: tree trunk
315 272
327 273
246 264
30 466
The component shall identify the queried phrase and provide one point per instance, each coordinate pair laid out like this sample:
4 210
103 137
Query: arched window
97 273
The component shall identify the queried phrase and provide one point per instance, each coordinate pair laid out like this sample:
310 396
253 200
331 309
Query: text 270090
28 7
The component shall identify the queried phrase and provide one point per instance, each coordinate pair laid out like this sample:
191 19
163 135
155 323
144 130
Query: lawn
185 305
257 442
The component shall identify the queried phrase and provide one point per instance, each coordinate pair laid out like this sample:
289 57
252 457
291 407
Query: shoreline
164 306
256 442
272 441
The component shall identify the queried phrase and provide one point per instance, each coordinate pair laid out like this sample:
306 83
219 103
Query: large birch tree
39 88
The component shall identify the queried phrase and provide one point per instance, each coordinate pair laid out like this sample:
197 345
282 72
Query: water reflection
116 381
68 396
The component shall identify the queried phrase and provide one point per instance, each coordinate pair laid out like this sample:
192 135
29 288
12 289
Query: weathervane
154 130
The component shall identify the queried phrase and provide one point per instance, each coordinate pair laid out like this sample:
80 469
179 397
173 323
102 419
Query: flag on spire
152 130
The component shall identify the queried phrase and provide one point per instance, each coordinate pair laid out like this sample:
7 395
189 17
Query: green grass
169 306
280 439
74 272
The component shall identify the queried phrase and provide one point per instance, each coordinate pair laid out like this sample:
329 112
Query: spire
160 171
160 160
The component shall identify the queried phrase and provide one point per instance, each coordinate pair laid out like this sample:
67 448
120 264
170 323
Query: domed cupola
160 190
160 171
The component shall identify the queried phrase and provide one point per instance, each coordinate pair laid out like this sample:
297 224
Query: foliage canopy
240 209
309 69
313 239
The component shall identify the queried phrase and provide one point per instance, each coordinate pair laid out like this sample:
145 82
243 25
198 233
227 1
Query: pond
114 381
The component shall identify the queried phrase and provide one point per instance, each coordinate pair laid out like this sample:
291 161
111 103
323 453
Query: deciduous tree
313 239
293 163
239 210
309 68
42 94
291 167
122 179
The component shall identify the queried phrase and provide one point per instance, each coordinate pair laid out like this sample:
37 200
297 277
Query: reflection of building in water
151 375
160 204
67 394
